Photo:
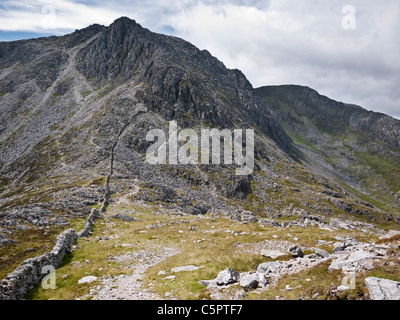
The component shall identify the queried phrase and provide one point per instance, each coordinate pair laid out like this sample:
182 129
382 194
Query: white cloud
68 15
293 42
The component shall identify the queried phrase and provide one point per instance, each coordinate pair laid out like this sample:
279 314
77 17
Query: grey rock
227 276
185 269
269 267
207 283
88 279
262 280
244 216
4 242
322 253
341 246
363 259
239 295
269 222
124 217
61 221
383 289
296 252
249 281
272 253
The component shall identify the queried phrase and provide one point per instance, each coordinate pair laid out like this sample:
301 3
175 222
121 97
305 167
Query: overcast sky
348 50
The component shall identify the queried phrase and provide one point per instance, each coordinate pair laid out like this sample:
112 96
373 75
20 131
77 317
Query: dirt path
130 287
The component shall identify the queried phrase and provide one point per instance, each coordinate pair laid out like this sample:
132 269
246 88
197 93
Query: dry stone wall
17 283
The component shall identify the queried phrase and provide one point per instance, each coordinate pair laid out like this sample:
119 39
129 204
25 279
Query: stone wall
17 283
88 227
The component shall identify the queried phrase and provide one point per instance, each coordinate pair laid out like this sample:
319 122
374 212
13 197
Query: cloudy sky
346 49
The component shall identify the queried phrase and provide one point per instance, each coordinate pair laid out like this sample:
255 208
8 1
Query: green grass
31 243
389 170
86 93
213 254
297 139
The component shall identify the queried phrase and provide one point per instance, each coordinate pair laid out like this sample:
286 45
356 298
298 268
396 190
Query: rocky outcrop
177 75
265 274
351 255
244 216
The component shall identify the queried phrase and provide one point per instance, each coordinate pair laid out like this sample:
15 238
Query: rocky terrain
75 111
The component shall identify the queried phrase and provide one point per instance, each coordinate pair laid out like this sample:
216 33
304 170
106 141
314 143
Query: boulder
383 289
262 280
5 241
269 267
322 253
249 281
244 216
227 276
296 252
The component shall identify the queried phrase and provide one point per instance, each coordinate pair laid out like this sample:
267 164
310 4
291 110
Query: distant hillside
359 147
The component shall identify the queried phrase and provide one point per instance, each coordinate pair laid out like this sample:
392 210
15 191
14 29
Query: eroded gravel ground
129 287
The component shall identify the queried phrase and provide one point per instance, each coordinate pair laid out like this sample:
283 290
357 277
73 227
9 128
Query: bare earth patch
129 287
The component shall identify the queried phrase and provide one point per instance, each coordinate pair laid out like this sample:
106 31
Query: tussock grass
215 244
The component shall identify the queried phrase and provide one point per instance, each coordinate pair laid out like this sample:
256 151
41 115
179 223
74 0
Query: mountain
88 89
76 112
358 148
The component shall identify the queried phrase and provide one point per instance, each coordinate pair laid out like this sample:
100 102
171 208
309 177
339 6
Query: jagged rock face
180 79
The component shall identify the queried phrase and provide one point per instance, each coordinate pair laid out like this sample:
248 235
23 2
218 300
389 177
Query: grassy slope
214 252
